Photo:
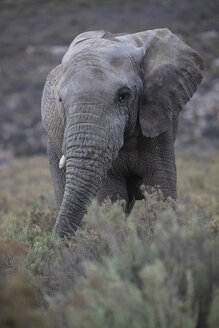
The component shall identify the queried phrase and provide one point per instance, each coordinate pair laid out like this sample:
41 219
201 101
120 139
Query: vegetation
157 268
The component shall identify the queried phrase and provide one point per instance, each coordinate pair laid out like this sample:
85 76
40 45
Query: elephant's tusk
62 162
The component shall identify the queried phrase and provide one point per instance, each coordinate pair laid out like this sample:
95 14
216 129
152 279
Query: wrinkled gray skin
112 109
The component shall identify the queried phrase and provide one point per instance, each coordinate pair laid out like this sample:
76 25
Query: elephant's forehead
109 62
101 51
93 78
97 67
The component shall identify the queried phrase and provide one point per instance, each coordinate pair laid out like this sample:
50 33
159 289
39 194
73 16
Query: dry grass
157 268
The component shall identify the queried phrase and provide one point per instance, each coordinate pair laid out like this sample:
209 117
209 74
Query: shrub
157 268
164 278
19 303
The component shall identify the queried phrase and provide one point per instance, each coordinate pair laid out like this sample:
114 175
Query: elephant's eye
123 95
60 99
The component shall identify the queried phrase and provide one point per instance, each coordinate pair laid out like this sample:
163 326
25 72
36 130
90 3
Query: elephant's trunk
89 153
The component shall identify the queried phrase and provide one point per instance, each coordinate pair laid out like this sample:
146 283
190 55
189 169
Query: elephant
111 110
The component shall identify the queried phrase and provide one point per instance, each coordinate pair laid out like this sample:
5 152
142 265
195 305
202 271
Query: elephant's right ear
171 72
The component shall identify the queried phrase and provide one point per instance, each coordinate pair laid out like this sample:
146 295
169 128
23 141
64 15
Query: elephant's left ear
171 72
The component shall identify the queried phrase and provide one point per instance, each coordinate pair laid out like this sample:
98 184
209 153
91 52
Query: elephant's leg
115 188
134 184
57 174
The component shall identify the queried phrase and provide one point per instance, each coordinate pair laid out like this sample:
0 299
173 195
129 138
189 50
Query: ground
25 184
35 35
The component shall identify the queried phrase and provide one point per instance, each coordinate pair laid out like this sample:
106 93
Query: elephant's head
111 86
